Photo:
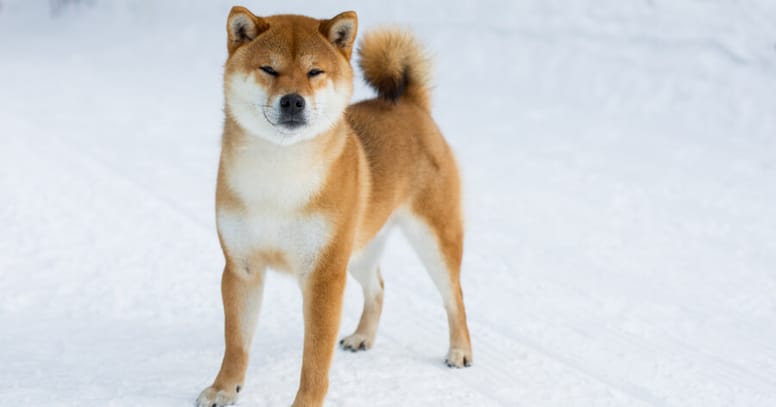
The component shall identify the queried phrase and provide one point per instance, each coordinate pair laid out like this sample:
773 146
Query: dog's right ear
242 27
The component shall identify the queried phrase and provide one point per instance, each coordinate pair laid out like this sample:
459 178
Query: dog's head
288 78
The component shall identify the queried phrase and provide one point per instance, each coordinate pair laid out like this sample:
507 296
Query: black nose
291 104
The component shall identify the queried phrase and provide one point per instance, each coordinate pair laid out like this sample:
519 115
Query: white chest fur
274 184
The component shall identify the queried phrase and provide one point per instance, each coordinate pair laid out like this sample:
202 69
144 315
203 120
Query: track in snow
620 212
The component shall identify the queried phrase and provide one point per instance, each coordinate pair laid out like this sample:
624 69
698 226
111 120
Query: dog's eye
269 71
314 72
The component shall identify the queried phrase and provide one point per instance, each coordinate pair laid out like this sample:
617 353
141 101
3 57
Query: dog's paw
356 342
212 397
458 358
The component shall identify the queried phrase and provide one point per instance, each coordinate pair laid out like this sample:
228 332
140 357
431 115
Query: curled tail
395 65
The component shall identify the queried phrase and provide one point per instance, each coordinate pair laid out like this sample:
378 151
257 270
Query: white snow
619 160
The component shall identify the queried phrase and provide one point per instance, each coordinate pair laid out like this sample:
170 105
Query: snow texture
619 160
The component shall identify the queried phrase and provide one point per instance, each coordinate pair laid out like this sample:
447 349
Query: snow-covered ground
620 172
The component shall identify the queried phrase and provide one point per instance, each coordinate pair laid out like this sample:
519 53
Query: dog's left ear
341 31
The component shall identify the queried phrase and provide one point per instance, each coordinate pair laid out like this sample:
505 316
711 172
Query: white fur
363 263
276 173
242 21
426 245
363 267
346 26
257 112
211 396
281 177
274 183
299 238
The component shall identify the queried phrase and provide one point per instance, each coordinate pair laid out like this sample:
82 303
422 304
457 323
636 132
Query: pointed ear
341 31
242 27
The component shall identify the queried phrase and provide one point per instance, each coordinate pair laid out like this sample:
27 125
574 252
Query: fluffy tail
396 66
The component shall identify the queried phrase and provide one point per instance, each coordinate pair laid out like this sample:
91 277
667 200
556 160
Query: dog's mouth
285 123
291 124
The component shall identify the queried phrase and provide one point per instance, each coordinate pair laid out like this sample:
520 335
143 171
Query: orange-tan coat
310 185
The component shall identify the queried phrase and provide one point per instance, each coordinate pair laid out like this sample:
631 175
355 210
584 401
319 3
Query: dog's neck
329 143
258 170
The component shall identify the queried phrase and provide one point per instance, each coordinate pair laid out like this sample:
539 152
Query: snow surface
620 172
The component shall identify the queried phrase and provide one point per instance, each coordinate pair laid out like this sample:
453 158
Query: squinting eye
269 70
314 72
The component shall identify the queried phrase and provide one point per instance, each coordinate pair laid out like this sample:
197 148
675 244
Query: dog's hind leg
438 240
364 268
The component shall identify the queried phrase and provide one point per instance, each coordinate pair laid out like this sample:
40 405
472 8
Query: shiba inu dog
310 185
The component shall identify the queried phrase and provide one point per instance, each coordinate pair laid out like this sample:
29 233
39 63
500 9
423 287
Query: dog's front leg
322 290
241 290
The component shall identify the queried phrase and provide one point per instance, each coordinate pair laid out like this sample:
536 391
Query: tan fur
322 199
395 66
